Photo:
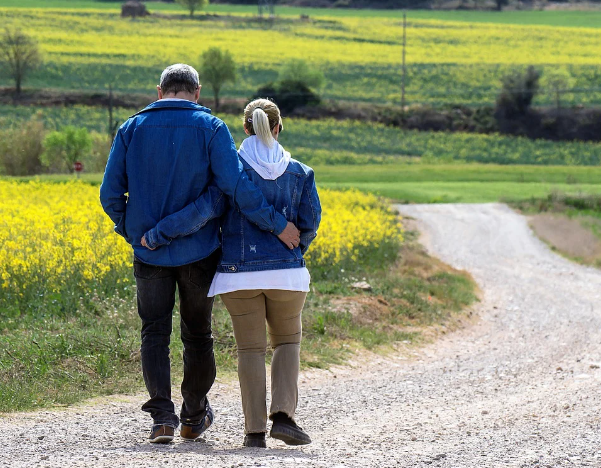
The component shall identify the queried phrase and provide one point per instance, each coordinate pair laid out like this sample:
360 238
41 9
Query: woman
261 280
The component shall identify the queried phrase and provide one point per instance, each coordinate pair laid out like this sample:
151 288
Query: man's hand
144 244
290 236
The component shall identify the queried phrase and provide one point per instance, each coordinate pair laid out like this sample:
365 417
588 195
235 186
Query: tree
519 90
559 80
217 67
299 70
192 5
19 54
65 147
501 4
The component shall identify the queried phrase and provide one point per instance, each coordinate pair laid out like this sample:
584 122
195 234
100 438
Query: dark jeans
156 298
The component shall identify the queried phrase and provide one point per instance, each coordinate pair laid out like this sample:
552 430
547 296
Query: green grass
464 192
447 183
461 183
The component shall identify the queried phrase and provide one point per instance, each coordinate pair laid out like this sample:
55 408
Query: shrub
288 95
298 70
63 148
518 92
21 147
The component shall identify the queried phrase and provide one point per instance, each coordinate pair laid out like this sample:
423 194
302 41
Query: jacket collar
172 104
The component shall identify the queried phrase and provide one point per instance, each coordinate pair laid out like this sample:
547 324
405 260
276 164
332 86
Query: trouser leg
194 281
284 324
247 309
156 298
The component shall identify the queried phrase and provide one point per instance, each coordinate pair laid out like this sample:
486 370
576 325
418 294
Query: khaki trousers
281 310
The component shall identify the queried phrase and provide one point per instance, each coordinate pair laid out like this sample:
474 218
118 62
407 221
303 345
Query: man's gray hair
179 77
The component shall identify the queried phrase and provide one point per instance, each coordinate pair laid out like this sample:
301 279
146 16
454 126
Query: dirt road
522 388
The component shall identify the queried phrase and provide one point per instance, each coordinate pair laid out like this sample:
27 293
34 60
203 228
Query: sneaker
194 431
161 434
255 439
286 430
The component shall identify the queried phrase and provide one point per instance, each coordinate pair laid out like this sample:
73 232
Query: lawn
452 57
449 183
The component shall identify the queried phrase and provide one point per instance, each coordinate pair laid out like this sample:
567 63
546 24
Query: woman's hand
290 236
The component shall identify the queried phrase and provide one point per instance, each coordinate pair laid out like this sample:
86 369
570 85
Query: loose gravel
521 388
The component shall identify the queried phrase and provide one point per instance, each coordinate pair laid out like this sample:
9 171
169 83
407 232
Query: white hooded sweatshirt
270 163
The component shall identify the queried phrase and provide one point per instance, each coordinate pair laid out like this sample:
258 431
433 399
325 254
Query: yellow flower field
58 245
447 61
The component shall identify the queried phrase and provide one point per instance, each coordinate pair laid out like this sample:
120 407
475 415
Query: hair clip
250 120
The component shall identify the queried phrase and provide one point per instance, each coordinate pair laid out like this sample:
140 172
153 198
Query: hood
270 163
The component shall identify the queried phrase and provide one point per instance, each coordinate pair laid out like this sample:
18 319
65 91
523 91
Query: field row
448 61
332 142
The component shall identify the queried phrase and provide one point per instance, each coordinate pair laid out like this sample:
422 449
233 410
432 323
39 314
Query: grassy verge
49 360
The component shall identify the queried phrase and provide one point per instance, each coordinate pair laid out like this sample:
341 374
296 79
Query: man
162 159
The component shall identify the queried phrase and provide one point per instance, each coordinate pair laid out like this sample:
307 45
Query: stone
364 285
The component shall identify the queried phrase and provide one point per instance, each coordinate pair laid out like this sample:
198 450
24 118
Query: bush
288 95
297 70
63 148
512 111
519 90
21 147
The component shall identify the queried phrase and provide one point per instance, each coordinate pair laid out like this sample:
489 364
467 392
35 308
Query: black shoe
255 439
286 430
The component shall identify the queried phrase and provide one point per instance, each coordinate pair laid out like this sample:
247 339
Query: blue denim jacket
245 246
162 160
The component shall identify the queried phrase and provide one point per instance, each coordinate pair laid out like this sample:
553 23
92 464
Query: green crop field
452 57
350 142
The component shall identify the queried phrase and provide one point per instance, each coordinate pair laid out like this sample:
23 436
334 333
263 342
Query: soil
567 235
520 388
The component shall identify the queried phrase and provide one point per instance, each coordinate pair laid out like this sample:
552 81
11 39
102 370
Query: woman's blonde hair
261 116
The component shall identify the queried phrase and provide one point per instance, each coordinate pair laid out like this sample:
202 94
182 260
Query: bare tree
192 5
19 54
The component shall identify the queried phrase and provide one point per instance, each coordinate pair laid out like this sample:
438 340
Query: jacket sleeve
309 213
229 176
191 218
114 185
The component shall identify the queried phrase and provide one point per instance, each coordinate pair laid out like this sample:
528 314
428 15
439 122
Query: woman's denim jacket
245 246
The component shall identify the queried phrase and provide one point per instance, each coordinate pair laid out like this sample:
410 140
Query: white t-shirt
270 163
289 279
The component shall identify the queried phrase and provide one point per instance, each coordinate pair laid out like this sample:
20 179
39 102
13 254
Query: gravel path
522 388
